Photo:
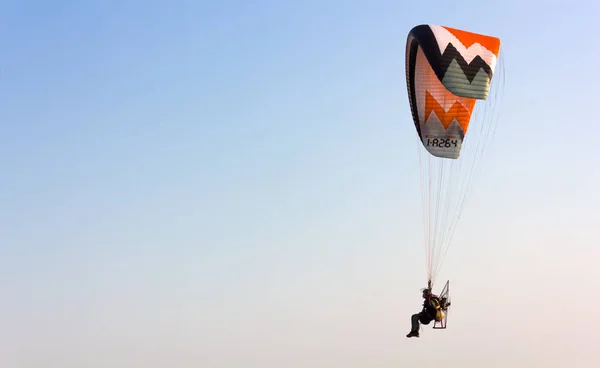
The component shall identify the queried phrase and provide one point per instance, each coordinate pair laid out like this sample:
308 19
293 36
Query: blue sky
236 184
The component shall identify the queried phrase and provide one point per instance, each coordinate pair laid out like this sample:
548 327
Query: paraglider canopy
448 72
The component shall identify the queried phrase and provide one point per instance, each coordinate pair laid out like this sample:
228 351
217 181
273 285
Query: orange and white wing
447 71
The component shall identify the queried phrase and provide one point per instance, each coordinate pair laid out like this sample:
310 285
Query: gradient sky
235 184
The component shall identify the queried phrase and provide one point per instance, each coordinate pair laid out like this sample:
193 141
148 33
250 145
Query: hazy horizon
234 184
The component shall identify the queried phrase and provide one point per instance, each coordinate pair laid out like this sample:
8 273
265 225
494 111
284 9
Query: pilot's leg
415 322
414 331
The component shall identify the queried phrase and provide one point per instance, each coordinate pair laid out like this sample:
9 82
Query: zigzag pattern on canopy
447 71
